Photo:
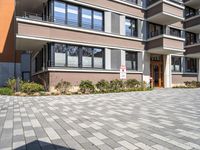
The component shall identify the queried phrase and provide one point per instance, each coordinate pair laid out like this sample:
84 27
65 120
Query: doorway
157 71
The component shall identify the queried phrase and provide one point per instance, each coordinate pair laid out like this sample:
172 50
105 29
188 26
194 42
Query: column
107 22
122 25
146 67
140 61
167 71
199 69
123 57
108 59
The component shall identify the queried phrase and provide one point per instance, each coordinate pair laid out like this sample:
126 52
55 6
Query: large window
78 56
176 64
131 60
131 27
191 65
190 38
59 12
155 30
78 16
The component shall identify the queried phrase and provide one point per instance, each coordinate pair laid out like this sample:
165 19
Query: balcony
193 50
165 12
166 43
192 24
192 3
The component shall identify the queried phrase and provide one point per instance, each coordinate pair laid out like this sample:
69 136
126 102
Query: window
175 32
132 1
131 27
190 38
176 64
155 30
98 58
60 55
86 57
72 15
131 60
73 56
97 20
78 16
59 12
189 12
191 65
86 18
39 61
77 56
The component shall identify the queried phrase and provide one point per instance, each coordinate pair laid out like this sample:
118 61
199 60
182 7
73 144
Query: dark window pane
176 64
131 27
191 65
131 60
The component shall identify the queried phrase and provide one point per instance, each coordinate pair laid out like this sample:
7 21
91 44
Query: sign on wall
123 72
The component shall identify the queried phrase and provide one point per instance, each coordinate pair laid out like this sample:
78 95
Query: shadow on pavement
39 145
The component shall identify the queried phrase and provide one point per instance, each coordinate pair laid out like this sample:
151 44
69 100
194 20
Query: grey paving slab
165 119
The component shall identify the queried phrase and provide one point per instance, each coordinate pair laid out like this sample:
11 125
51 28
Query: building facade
74 40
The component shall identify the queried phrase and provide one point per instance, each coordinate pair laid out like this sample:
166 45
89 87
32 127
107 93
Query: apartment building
74 40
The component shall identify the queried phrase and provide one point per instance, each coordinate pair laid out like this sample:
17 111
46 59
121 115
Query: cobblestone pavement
161 119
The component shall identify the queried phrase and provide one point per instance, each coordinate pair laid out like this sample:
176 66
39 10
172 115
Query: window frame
195 63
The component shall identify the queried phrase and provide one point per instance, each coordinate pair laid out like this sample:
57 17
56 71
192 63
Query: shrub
11 83
103 86
116 85
6 91
86 86
193 84
31 88
63 86
132 83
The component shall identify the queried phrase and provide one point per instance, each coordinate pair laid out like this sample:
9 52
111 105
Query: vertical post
15 51
199 69
167 71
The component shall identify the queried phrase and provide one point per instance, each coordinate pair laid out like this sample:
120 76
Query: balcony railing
192 42
192 15
62 21
166 32
150 2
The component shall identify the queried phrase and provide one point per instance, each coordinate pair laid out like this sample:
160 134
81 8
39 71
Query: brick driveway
160 119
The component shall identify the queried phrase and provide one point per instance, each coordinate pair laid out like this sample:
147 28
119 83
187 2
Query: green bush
31 87
6 91
11 83
192 84
103 86
86 86
116 85
132 83
63 86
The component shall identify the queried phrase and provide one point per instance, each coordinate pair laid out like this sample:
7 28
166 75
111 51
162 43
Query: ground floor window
176 64
77 56
191 65
131 60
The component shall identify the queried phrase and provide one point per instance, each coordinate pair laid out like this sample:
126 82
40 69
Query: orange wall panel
7 8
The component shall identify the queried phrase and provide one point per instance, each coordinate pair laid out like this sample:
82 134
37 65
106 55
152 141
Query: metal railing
62 21
166 32
150 2
192 42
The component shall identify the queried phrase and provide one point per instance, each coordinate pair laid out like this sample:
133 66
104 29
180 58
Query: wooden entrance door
157 74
